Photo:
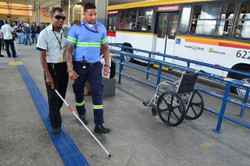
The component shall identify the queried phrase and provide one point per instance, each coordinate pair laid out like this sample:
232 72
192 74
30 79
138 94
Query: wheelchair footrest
148 103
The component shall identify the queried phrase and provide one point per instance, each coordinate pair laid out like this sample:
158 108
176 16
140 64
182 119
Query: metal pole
69 13
71 109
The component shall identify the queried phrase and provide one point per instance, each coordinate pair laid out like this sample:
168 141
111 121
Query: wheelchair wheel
195 107
171 108
154 111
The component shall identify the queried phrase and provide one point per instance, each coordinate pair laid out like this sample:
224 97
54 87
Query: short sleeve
104 36
42 41
72 37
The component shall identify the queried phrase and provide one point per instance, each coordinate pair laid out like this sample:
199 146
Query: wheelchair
175 101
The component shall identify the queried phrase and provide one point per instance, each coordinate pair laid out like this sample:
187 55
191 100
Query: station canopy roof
49 3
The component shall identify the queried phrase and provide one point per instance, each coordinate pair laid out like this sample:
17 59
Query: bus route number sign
243 54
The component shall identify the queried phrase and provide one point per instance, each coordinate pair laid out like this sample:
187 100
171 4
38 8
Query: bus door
111 28
166 24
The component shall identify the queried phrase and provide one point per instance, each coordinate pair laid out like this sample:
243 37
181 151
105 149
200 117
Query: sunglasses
60 17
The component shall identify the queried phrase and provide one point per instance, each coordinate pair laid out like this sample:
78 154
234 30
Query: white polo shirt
7 32
50 42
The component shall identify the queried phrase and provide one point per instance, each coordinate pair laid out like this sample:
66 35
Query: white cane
70 108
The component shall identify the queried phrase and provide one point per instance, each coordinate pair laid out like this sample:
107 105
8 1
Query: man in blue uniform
86 41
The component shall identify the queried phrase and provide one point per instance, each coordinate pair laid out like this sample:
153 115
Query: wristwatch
106 66
70 69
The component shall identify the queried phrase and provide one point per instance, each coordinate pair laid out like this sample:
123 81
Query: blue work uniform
86 62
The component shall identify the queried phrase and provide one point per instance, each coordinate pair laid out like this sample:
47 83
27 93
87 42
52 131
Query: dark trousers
92 73
10 44
60 78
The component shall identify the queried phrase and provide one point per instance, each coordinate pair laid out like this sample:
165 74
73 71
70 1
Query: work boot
83 119
99 128
56 130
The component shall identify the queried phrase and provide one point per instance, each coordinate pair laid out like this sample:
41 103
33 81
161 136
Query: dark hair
8 20
89 6
54 9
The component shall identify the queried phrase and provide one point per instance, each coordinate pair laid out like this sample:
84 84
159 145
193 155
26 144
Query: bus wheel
237 90
128 58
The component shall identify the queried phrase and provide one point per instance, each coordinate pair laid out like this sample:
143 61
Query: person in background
52 43
27 32
33 33
86 40
8 38
19 33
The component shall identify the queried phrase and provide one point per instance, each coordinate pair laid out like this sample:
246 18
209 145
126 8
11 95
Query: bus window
145 19
128 18
243 22
225 23
213 19
185 19
206 16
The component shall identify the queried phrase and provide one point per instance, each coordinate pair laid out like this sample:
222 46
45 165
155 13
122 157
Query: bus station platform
137 138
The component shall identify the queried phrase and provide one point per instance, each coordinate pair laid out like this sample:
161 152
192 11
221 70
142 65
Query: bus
212 31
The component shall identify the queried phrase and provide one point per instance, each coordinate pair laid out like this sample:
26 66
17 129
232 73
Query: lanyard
88 28
59 41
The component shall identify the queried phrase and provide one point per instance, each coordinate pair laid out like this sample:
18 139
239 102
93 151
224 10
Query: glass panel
161 25
243 23
224 25
112 22
207 25
185 18
128 19
173 21
145 19
115 17
213 19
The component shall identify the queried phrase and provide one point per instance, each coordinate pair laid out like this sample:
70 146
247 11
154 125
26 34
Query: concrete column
102 11
38 14
72 14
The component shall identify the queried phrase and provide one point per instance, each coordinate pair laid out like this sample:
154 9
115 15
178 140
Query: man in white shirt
8 38
52 44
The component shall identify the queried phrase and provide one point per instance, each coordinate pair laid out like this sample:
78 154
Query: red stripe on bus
233 45
112 34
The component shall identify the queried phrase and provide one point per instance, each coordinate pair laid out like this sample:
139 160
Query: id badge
61 56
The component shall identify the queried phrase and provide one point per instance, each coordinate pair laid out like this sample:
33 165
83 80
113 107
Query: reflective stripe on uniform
71 39
80 104
104 40
88 44
97 107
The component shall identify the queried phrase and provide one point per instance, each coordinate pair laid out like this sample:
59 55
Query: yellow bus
212 31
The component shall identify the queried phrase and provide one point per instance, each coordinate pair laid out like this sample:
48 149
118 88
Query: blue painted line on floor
70 154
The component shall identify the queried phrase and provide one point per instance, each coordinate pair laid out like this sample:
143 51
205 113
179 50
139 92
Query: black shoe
101 129
83 119
56 131
1 55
